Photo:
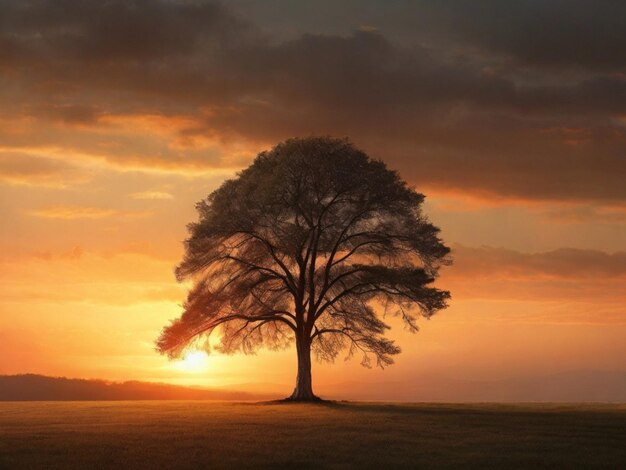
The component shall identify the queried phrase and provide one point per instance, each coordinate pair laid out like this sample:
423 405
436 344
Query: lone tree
308 244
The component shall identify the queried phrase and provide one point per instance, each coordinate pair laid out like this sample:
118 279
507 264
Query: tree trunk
304 385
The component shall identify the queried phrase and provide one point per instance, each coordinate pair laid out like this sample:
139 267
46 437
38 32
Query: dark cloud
136 30
553 33
462 123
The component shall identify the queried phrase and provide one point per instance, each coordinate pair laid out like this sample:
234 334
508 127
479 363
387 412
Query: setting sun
193 362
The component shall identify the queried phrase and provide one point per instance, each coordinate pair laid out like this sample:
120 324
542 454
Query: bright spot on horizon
193 362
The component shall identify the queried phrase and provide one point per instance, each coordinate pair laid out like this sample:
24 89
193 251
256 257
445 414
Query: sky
117 117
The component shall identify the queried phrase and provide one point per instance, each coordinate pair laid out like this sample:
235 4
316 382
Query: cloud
586 214
67 114
553 33
33 170
79 212
563 263
152 195
448 121
115 30
587 281
155 143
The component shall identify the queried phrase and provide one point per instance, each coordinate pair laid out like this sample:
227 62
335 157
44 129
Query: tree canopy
315 243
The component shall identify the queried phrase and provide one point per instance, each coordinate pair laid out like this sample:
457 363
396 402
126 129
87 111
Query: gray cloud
92 30
552 33
464 123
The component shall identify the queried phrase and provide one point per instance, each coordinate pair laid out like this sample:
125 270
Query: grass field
194 435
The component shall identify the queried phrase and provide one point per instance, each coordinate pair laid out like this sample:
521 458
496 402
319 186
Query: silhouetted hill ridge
34 387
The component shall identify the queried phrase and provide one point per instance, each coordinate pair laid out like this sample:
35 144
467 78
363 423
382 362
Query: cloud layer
489 100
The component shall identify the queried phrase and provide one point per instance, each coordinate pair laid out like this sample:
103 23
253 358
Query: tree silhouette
308 244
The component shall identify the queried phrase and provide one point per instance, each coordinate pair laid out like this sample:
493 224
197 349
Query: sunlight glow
193 362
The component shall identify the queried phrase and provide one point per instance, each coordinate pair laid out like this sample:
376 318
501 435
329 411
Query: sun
194 362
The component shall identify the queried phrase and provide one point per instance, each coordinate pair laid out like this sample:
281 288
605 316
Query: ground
200 434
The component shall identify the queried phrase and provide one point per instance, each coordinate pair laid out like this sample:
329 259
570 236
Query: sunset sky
117 116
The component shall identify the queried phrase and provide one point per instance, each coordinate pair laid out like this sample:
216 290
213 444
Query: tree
307 245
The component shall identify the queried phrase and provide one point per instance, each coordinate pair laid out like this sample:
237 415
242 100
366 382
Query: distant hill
38 387
574 386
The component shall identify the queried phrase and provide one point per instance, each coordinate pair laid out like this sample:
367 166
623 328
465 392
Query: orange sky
107 140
